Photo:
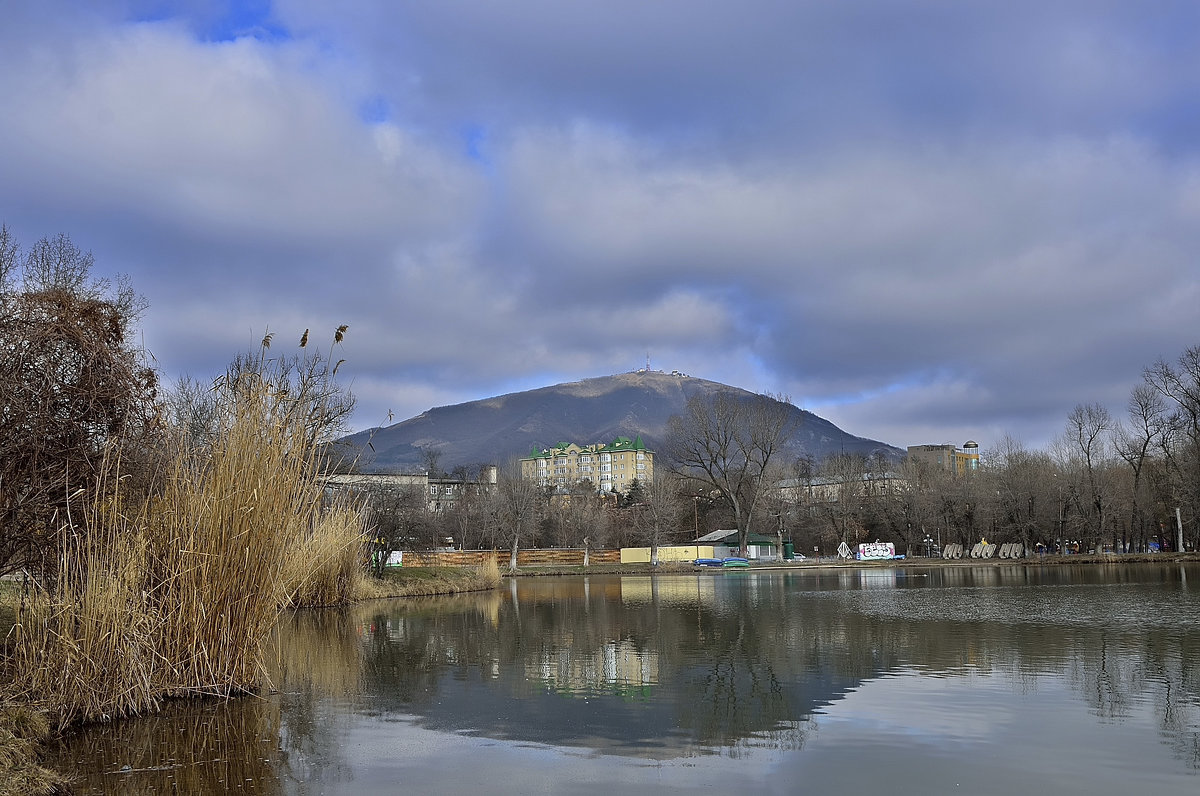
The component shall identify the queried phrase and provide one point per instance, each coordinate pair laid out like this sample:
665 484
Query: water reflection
916 664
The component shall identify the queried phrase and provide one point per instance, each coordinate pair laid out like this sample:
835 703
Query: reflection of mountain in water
679 665
648 666
670 667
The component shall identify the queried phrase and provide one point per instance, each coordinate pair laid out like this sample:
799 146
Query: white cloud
927 221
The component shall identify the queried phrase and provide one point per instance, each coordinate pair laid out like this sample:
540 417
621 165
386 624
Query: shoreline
24 730
686 567
433 581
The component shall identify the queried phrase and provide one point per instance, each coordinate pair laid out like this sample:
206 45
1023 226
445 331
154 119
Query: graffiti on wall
875 550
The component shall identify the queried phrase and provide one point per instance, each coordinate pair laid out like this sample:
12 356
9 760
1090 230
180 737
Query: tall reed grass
173 594
488 572
328 567
21 731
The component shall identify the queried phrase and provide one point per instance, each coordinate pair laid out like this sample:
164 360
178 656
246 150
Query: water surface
984 679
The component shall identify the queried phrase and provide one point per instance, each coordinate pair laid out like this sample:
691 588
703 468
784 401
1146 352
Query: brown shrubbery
72 382
172 593
160 538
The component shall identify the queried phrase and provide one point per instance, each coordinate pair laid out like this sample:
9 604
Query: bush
72 384
173 594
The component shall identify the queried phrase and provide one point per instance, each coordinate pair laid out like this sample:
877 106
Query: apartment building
948 457
611 467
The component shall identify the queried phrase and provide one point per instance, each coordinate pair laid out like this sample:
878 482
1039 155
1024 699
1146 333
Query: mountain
496 430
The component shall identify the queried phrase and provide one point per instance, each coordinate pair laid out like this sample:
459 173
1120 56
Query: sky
926 221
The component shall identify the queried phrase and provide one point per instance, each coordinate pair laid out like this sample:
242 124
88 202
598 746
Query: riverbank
429 581
680 567
24 730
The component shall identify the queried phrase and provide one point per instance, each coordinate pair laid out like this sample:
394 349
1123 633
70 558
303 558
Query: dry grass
174 595
10 596
328 566
84 650
428 581
488 573
22 730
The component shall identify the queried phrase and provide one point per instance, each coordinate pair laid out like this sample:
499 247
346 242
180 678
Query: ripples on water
986 679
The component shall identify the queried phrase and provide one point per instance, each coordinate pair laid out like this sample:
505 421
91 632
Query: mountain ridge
500 428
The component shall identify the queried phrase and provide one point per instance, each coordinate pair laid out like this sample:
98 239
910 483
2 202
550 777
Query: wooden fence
547 557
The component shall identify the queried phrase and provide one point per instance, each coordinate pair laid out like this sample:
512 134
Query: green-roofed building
612 467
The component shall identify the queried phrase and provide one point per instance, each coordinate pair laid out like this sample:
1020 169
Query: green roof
618 444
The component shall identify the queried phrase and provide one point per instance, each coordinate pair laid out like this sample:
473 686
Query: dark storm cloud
855 69
927 221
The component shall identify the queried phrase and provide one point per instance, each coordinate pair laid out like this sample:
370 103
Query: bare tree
432 457
399 518
74 387
734 446
843 479
1030 495
1180 385
577 513
918 503
192 411
1136 442
1088 427
516 506
659 511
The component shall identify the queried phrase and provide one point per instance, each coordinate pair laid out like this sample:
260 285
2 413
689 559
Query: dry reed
327 567
488 572
430 581
21 731
174 594
85 648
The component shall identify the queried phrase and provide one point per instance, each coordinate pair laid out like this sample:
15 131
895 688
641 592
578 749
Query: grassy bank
23 730
666 567
429 581
172 593
25 726
678 567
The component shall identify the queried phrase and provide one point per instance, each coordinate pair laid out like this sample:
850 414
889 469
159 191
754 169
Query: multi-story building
948 457
821 489
611 468
439 493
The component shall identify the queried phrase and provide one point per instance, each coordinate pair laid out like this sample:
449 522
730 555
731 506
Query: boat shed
725 543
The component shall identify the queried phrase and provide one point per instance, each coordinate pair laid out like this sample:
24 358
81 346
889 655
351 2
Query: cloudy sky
924 220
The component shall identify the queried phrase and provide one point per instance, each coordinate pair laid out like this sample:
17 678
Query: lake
973 679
